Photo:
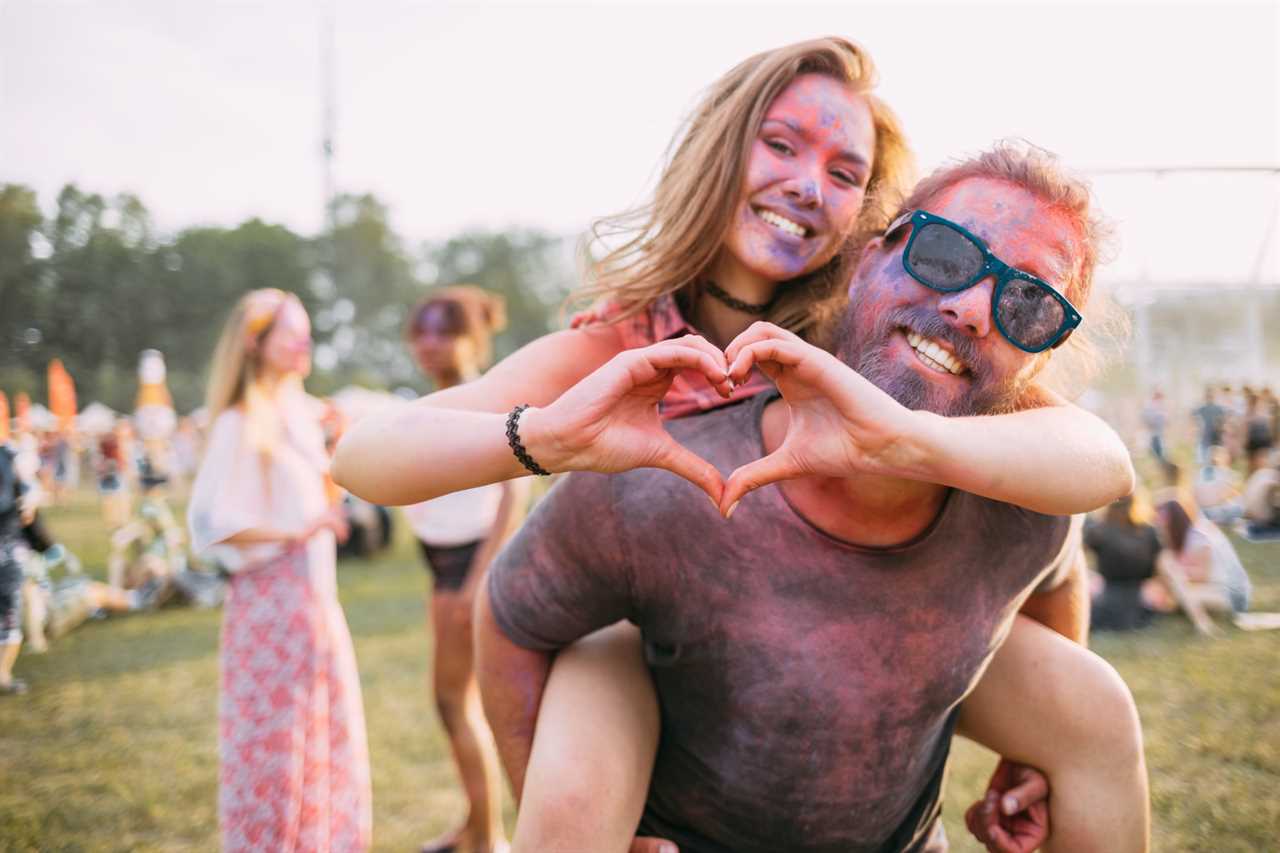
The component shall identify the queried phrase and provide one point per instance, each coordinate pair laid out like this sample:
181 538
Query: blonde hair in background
484 314
235 362
670 243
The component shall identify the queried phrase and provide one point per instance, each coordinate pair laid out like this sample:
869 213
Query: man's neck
864 509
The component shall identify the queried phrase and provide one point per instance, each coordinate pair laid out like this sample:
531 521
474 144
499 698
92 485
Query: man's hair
1105 329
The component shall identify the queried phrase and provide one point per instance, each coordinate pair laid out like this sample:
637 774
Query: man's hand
609 421
1014 815
840 424
652 845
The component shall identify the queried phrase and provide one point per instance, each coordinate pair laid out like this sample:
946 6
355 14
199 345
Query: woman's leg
10 615
593 750
458 701
1049 703
1183 591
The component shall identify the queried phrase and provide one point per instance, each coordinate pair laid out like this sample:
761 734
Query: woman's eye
780 147
847 178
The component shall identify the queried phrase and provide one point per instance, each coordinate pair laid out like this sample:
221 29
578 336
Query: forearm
422 451
456 439
512 680
263 536
1058 460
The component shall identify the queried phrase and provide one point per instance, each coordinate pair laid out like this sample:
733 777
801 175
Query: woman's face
437 348
286 349
806 179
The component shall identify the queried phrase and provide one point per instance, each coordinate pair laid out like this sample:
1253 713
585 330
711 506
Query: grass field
114 748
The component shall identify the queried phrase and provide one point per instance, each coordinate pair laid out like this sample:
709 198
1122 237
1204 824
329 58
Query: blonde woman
788 160
450 335
294 767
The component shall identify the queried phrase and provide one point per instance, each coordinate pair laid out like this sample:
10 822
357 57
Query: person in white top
1199 568
450 334
293 756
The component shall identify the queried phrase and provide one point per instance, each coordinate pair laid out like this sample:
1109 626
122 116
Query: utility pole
328 118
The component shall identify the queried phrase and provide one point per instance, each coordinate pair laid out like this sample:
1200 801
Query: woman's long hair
670 243
1177 522
236 359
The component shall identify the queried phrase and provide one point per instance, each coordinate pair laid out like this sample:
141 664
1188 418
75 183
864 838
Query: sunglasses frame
991 266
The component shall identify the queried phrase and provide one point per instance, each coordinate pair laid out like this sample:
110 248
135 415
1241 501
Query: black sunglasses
947 257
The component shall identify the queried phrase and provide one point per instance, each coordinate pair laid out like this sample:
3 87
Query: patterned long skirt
294 772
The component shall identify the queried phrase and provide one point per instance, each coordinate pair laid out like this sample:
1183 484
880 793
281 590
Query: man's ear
864 259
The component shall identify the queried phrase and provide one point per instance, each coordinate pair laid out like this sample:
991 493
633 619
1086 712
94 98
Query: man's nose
969 310
804 191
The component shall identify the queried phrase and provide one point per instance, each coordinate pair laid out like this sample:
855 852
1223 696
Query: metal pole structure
328 120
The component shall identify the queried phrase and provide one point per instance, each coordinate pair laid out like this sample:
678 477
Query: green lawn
114 748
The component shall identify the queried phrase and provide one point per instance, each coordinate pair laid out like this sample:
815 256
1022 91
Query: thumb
772 468
1032 790
680 460
653 845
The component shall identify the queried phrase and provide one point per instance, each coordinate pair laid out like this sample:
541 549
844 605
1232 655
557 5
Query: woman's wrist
915 447
538 438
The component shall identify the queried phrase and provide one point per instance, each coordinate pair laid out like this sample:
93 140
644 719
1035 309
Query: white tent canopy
95 419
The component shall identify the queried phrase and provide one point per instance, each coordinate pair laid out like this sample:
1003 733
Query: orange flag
62 396
4 418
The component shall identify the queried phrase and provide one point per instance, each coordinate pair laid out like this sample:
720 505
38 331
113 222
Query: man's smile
933 354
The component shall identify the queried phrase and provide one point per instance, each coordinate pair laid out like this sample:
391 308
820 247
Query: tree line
94 283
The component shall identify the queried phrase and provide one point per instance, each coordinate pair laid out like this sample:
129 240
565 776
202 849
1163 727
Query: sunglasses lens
943 257
1030 313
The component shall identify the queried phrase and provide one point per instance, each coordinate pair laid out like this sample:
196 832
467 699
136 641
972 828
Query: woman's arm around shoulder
1055 457
455 439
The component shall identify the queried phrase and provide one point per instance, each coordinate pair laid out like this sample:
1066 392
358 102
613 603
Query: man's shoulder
1031 531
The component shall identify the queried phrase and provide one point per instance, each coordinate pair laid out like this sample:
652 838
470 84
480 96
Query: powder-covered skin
807 686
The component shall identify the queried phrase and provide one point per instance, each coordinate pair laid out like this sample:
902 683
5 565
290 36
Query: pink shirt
662 321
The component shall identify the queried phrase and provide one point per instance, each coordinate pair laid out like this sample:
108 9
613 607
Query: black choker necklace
735 303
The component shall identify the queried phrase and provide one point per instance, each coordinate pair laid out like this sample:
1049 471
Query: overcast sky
545 116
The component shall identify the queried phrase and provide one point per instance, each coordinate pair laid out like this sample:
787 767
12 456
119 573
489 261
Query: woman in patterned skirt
294 765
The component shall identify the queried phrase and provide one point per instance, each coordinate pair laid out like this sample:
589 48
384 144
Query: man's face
894 323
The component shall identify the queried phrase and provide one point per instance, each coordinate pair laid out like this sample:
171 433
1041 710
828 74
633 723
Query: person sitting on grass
1217 488
1262 501
1199 570
1126 548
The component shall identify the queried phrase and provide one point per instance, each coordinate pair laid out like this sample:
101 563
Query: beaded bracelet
513 439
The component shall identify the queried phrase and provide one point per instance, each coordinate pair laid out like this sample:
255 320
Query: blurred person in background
1210 418
114 469
1199 569
1125 547
1259 438
1155 416
1261 501
450 335
787 161
1217 488
294 764
17 510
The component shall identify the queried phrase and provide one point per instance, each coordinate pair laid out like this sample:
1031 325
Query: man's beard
868 355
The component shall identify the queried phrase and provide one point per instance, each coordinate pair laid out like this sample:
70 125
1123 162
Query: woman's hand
840 424
334 518
609 421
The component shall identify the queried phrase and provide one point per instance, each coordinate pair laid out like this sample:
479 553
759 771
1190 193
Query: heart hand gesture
609 421
840 424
